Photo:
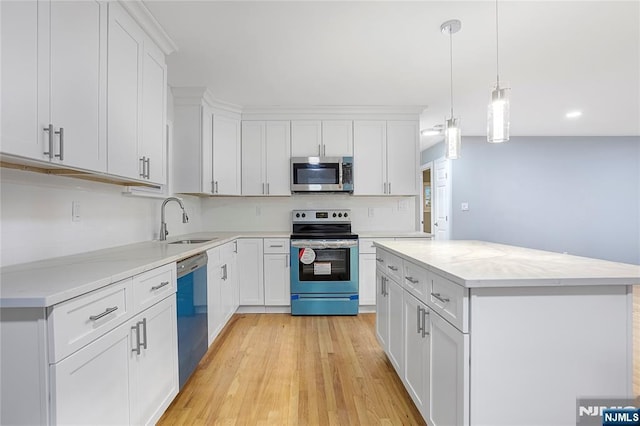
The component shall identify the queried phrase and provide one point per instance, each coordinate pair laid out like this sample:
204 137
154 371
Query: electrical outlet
464 207
75 211
403 206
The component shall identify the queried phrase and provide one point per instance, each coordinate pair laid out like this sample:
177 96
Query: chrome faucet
163 224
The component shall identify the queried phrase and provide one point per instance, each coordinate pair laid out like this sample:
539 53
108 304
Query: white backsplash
35 216
274 213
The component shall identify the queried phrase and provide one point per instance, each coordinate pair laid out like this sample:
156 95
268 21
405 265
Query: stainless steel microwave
321 174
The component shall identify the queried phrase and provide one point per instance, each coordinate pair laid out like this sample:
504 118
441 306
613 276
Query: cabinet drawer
450 300
393 266
365 245
276 245
153 286
76 322
416 280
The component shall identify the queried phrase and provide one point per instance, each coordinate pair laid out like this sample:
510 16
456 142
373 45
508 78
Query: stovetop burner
322 224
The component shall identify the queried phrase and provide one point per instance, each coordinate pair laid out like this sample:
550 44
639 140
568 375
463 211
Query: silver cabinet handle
385 188
50 131
393 268
264 192
378 259
136 329
319 152
275 245
419 317
268 188
411 280
105 313
235 247
159 286
224 272
216 187
424 323
286 262
148 168
389 187
324 150
386 293
372 245
61 133
382 286
143 162
144 332
440 297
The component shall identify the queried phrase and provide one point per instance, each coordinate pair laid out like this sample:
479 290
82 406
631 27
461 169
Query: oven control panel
321 216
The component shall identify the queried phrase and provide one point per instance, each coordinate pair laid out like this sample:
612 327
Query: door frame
435 200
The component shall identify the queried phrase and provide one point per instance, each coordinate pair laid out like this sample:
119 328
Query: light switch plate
464 207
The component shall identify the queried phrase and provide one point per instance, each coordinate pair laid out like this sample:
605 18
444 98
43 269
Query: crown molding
149 24
196 95
276 112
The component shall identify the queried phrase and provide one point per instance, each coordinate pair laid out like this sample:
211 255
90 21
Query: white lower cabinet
277 276
222 287
417 342
250 271
382 310
92 385
395 349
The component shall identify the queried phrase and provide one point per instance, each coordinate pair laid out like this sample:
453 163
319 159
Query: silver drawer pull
162 284
411 280
372 245
379 259
440 298
274 245
425 333
393 268
105 313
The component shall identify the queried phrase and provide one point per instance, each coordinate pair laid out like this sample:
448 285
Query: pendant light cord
451 66
497 51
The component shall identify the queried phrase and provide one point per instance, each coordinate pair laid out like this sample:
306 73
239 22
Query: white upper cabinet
385 157
226 155
266 150
329 138
306 138
207 151
53 65
136 101
337 138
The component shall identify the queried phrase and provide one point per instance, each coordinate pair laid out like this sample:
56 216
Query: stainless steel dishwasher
192 314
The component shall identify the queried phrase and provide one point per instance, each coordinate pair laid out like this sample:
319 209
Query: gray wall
579 195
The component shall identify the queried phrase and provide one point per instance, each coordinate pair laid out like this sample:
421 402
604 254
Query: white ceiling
557 56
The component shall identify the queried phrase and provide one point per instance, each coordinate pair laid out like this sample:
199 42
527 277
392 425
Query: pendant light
452 125
498 113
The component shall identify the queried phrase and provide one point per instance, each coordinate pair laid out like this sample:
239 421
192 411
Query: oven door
324 266
316 174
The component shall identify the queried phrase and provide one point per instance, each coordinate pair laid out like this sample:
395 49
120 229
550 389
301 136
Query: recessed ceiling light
573 114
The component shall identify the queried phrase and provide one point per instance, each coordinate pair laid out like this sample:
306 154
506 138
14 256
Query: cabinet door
229 281
155 368
123 92
382 310
402 151
396 324
367 278
206 145
154 86
20 132
215 315
77 66
370 157
277 155
226 155
448 373
250 272
91 386
416 360
277 279
306 138
337 138
253 164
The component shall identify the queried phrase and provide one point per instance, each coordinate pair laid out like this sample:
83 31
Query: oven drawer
276 245
314 305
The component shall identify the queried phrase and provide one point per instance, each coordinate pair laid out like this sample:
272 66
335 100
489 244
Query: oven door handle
322 244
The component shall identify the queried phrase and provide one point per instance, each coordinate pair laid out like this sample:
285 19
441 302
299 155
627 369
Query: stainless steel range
324 263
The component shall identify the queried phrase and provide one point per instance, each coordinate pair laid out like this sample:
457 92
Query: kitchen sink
193 241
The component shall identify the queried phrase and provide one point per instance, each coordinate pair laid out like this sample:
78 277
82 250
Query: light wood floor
276 369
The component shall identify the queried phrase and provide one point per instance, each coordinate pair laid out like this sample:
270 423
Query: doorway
426 198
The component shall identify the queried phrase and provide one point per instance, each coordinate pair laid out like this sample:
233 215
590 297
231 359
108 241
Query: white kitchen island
489 334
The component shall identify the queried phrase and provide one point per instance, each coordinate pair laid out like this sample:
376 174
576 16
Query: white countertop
388 234
476 264
47 282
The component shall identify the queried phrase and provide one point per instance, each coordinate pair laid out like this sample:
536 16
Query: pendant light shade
498 116
452 132
498 112
452 138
